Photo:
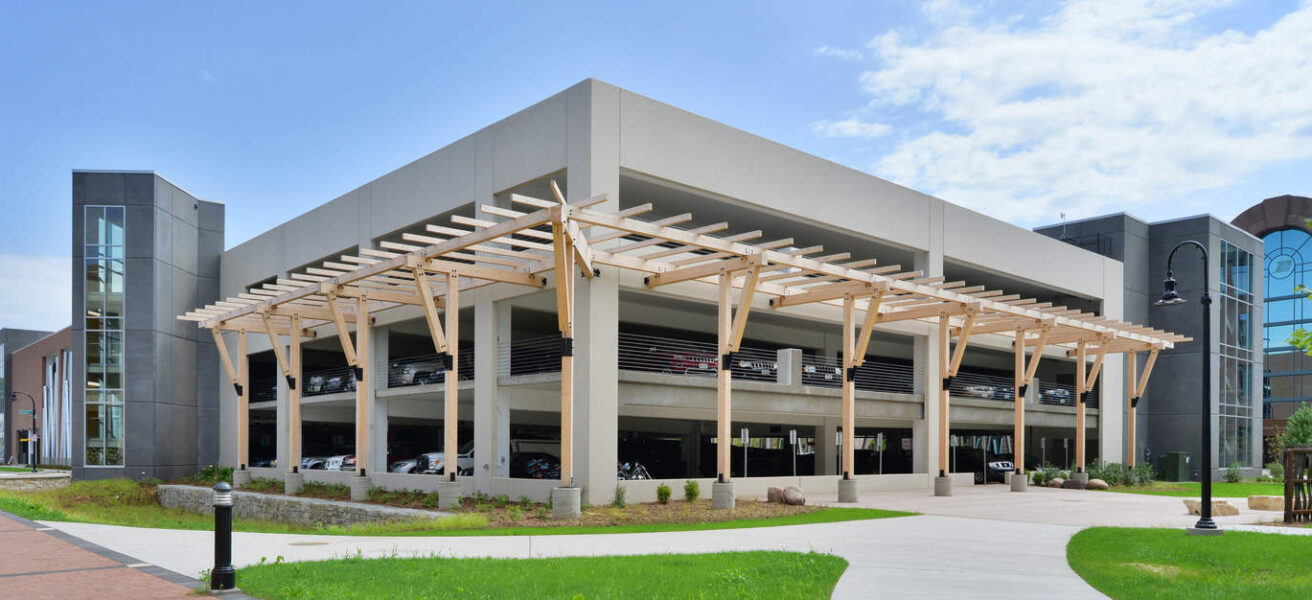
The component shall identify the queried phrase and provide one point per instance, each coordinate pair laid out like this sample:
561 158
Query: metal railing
1062 394
263 390
871 376
529 356
328 381
985 387
653 354
428 369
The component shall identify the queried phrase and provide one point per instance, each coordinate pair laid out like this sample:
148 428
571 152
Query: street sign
792 437
27 411
746 436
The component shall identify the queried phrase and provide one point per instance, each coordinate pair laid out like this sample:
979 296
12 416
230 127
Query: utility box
1173 466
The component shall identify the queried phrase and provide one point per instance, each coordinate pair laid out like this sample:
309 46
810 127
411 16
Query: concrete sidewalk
43 563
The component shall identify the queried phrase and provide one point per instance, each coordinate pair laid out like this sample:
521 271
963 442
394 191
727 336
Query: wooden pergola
521 246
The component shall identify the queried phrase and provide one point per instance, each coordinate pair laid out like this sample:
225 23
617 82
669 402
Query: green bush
1233 473
617 500
1277 470
691 491
663 494
265 485
1119 474
1298 430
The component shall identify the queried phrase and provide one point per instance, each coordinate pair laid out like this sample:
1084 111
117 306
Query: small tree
691 491
1298 430
663 494
1232 473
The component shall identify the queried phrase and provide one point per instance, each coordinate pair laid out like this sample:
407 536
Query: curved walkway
983 542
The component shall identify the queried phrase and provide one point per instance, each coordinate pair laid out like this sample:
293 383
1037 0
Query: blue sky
1023 110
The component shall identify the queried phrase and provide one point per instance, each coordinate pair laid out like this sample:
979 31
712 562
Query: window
1288 374
1236 398
103 314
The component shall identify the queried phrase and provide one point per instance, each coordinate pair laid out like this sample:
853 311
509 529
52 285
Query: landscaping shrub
1277 470
1232 473
663 494
617 500
691 491
265 485
1298 430
1119 474
212 475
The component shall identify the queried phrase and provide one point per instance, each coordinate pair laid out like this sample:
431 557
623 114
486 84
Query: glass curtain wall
104 335
1236 401
1288 372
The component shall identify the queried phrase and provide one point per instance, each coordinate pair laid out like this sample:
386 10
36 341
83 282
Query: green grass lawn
790 575
122 502
7 469
1127 564
1190 489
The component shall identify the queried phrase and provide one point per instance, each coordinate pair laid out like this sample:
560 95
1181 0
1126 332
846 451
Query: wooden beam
1037 355
227 360
243 402
849 389
744 306
724 381
1081 387
944 395
1147 370
430 310
831 291
1132 402
365 367
700 271
962 339
342 335
867 327
451 383
294 401
277 346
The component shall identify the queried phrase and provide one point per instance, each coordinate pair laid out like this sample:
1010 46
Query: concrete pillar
489 460
826 447
790 367
593 116
379 406
925 350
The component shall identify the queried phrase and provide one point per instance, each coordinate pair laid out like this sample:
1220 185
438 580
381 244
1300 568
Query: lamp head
1169 295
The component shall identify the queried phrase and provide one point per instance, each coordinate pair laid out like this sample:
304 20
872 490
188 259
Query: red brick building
41 382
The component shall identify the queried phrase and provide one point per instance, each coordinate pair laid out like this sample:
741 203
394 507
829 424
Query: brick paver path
49 564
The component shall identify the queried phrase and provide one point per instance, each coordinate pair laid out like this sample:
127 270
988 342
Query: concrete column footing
449 494
722 495
847 490
1019 482
292 482
566 502
1083 478
1197 531
943 486
240 477
360 488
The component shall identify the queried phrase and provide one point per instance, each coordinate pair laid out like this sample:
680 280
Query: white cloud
1102 104
850 127
838 53
36 292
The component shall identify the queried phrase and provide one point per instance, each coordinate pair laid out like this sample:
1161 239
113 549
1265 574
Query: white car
403 466
339 463
433 462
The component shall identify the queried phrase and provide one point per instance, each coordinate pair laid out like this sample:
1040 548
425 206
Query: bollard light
223 576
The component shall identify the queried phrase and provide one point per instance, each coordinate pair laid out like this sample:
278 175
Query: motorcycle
633 471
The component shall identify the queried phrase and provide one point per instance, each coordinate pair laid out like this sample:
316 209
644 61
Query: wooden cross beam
962 338
1147 370
430 309
1038 352
340 322
867 329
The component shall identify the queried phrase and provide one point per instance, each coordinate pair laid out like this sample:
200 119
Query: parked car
416 372
330 384
406 465
685 363
998 470
266 463
313 463
338 463
979 391
1057 396
434 462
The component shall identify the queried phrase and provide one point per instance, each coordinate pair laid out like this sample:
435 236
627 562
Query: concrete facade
173 244
1169 412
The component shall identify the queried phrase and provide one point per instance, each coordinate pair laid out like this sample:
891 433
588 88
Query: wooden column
564 251
849 389
294 400
724 381
365 368
944 336
1081 386
1131 381
243 402
1018 437
451 380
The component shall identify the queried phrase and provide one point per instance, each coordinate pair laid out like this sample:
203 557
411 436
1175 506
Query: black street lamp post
223 576
1205 525
14 398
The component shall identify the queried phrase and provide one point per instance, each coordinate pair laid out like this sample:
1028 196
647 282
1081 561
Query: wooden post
944 335
451 380
724 381
1081 386
1018 437
564 258
362 385
294 400
243 402
849 390
1131 365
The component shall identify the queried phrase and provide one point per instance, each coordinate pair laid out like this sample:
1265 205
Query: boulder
794 496
1096 484
1071 484
774 494
1056 482
1220 508
1276 503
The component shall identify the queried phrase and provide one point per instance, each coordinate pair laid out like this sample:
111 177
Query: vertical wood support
1081 387
849 389
294 401
724 381
451 380
1018 437
564 255
944 395
243 402
1131 380
364 367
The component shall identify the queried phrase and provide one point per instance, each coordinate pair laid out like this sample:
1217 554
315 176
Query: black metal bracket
726 361
596 272
1084 397
242 467
362 473
646 281
851 373
846 475
941 473
291 382
1023 389
719 477
1134 402
567 346
237 386
358 371
947 382
296 468
448 362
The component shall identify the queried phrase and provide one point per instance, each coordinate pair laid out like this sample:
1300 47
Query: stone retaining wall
26 482
271 507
